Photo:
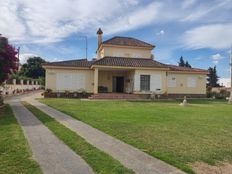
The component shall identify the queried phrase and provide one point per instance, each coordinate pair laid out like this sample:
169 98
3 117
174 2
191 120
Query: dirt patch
203 168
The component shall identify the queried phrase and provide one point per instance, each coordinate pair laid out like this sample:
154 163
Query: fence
19 86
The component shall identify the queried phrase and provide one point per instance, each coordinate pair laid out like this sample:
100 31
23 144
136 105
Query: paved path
53 155
129 156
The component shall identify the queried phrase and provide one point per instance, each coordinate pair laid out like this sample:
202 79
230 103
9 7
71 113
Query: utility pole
86 46
18 49
230 99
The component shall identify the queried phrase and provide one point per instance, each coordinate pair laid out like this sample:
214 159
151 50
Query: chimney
99 37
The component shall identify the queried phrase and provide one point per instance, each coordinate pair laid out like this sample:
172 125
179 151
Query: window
127 55
171 82
191 82
136 55
145 82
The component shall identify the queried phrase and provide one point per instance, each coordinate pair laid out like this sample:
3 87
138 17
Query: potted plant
66 93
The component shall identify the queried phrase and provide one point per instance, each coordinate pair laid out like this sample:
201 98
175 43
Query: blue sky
200 31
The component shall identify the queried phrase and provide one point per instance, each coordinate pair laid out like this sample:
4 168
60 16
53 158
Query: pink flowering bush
8 59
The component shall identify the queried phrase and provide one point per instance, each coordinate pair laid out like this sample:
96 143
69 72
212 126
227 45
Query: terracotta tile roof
129 62
178 68
122 62
127 41
71 63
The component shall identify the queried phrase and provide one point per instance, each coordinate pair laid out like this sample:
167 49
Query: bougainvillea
8 59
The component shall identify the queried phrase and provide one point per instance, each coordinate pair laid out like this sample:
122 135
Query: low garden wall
19 87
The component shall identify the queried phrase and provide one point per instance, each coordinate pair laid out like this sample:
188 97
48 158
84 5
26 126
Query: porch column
95 90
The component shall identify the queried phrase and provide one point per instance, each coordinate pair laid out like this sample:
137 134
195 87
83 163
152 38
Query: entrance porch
113 81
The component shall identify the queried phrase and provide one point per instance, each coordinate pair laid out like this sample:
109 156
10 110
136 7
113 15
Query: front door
118 84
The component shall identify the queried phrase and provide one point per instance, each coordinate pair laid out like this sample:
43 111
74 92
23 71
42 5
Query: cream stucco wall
125 52
132 80
51 77
182 81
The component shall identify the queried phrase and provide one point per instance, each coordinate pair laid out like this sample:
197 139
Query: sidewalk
53 155
129 156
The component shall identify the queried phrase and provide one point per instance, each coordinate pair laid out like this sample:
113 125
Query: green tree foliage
188 65
182 63
212 77
33 68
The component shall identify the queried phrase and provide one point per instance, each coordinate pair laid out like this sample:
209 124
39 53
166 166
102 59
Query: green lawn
175 134
100 162
15 154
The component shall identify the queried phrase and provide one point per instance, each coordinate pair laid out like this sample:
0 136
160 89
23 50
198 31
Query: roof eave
63 67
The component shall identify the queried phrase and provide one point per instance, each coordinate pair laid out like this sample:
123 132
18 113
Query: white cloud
203 10
32 21
224 82
216 58
23 57
215 36
141 17
161 32
55 60
188 3
10 24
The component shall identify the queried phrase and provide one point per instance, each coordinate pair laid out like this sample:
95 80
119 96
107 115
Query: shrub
1 100
49 90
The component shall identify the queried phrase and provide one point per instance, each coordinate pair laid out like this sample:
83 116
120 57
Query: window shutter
156 83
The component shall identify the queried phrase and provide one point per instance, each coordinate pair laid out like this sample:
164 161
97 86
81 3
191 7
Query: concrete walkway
132 158
53 155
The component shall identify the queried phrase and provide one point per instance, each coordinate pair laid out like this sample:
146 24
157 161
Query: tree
33 68
181 62
188 65
8 59
212 77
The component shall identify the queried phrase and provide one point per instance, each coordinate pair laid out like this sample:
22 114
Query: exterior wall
51 78
182 87
152 73
125 52
105 79
132 81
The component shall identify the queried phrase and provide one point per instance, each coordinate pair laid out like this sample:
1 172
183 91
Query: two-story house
124 65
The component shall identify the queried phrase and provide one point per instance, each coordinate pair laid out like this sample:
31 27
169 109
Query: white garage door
70 81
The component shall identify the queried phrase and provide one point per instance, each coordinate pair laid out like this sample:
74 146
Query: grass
100 162
178 135
15 154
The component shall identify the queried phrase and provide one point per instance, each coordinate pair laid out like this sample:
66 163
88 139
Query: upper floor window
127 55
145 82
136 55
117 54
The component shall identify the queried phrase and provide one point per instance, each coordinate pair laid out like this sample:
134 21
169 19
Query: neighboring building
124 65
